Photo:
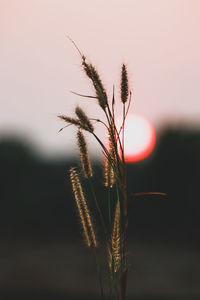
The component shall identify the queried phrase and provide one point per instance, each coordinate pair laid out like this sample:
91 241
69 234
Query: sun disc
139 138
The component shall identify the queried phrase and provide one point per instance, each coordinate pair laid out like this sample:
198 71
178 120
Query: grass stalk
116 233
99 274
98 208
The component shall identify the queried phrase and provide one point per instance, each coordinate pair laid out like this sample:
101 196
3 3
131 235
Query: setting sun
139 138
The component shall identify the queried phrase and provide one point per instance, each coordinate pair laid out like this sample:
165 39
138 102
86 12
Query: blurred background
42 254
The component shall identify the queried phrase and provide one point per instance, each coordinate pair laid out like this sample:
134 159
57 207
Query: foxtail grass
84 213
84 156
115 229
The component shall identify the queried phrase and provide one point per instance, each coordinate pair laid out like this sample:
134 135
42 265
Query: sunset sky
159 41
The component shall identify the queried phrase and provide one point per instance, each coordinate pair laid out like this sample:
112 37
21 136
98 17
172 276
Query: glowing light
139 138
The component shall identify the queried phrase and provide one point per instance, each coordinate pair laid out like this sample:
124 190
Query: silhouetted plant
115 229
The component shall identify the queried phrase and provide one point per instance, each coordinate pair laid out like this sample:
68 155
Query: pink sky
159 41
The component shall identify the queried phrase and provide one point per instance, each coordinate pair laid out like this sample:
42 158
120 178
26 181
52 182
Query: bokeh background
42 255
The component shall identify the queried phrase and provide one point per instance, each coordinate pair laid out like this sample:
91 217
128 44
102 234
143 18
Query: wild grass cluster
114 221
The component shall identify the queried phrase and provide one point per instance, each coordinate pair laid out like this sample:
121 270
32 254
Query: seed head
70 120
84 156
109 175
86 221
124 84
83 119
92 73
116 240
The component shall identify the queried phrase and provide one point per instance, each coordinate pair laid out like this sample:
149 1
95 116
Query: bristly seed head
116 240
84 120
124 84
73 121
70 120
86 221
92 73
84 156
109 174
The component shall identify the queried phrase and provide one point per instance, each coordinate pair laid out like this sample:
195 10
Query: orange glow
139 139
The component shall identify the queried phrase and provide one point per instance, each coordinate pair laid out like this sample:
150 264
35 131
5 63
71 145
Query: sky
158 40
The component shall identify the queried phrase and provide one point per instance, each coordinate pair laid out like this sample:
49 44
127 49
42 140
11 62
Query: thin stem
98 208
116 280
102 145
106 153
97 120
109 205
84 96
124 107
112 125
99 274
129 102
75 46
148 193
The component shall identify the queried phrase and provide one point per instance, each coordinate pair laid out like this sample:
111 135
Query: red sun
139 138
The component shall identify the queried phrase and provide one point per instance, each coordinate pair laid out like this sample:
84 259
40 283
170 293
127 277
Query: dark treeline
36 198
